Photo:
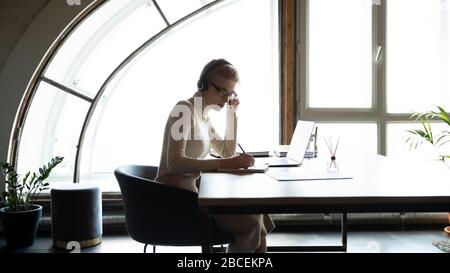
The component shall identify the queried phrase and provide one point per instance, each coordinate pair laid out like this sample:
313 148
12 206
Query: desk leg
344 231
207 246
324 248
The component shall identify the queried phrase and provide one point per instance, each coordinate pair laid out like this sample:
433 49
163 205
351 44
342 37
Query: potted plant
20 216
419 136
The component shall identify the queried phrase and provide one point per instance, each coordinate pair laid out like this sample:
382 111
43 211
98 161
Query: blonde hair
216 68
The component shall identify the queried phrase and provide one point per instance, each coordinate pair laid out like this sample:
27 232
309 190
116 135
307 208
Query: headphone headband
202 83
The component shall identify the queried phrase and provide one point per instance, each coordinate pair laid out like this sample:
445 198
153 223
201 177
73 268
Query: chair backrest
147 172
160 214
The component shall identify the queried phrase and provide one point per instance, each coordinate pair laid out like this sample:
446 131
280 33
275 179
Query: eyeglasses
223 92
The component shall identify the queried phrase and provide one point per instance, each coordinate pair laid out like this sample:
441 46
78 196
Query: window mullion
163 16
379 30
302 58
68 90
372 113
288 48
353 115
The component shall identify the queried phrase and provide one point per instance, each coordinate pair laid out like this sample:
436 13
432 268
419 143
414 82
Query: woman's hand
237 162
233 103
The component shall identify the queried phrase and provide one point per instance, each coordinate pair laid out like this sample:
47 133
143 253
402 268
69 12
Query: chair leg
207 249
145 248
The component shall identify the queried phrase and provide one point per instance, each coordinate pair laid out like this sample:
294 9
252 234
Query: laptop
297 148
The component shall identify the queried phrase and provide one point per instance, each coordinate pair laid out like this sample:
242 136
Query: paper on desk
257 153
298 174
255 169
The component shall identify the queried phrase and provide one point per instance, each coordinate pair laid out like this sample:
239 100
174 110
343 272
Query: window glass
100 44
128 124
352 136
418 55
175 9
397 147
52 129
340 54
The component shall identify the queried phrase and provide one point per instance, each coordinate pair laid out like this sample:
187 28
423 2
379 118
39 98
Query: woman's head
217 82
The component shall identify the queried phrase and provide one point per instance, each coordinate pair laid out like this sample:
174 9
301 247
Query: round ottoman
76 214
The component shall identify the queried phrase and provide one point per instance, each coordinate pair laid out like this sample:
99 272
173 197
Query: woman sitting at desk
188 138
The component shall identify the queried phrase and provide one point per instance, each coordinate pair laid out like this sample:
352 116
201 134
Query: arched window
103 99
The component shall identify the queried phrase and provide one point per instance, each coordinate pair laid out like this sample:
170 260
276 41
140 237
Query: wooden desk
379 184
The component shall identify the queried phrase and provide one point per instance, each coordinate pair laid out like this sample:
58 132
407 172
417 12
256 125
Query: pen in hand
241 148
252 163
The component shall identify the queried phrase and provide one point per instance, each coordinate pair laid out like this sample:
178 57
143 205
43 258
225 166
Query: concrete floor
381 241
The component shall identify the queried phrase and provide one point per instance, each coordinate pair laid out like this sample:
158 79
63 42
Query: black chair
159 214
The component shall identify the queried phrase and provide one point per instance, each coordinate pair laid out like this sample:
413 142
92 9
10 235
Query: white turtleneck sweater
188 138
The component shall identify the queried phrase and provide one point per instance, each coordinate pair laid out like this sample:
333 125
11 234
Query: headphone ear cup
202 85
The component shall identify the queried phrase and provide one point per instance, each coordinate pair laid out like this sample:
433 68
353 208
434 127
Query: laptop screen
300 140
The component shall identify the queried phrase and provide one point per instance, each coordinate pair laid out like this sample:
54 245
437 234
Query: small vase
333 164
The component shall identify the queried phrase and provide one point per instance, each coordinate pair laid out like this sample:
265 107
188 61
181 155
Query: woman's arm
225 147
179 130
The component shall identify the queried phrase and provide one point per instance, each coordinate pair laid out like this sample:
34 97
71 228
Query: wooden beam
288 98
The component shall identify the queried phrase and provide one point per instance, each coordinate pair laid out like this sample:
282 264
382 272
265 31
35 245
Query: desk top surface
376 179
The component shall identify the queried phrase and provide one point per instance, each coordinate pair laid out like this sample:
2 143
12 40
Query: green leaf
443 115
441 140
22 190
418 136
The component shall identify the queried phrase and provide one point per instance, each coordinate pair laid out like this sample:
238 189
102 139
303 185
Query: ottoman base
83 244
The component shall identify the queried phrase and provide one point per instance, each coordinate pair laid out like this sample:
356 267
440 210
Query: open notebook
255 169
257 153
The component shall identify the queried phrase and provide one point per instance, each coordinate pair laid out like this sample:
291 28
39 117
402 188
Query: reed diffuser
332 164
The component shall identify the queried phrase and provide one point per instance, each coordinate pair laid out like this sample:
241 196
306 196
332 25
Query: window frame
288 103
40 76
376 113
290 85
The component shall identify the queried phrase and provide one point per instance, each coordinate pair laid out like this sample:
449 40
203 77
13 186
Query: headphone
202 83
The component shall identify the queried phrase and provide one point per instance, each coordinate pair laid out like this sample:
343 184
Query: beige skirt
247 230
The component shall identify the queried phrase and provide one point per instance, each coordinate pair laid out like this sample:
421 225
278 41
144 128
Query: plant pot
20 228
447 229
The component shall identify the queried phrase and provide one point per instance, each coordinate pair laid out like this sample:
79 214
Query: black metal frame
310 248
355 205
145 248
317 248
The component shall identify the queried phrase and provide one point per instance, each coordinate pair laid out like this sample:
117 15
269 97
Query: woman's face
220 91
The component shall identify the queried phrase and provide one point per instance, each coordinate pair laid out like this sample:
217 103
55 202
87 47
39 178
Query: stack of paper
282 150
310 154
257 153
255 169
